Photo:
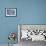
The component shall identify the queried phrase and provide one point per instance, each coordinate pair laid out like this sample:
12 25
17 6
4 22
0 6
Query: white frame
15 9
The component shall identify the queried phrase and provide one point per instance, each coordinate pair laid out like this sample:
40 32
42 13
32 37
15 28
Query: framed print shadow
11 12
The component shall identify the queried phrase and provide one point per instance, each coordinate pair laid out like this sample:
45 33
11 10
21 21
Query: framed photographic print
11 11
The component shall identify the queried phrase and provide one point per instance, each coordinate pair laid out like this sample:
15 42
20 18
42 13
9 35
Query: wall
28 12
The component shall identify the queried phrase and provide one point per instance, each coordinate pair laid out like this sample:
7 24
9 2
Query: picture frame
11 12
